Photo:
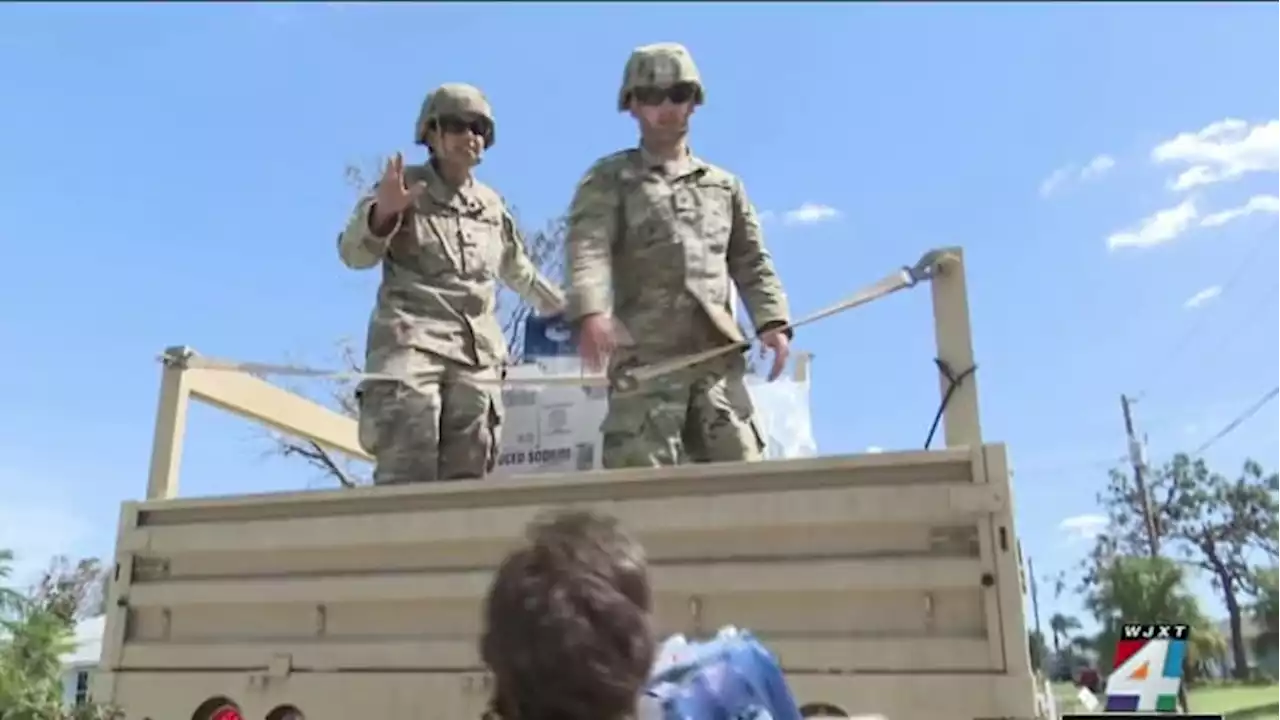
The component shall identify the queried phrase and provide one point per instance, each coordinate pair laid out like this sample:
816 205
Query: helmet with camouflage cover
454 99
660 65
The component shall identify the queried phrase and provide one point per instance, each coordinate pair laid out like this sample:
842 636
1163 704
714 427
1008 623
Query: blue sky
173 175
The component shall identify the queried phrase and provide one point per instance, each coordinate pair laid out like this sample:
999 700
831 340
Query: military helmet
456 99
659 65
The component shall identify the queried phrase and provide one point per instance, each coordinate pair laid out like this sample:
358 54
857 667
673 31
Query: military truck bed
886 583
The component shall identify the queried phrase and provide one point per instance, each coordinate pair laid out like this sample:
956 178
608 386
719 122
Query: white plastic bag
782 411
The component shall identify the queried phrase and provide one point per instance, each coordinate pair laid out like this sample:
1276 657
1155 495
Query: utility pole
1035 595
1035 610
1153 538
1139 478
1031 570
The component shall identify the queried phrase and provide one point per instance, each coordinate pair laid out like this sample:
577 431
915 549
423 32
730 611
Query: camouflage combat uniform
659 245
434 323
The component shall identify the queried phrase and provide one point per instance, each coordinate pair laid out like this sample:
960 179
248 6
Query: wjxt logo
1154 631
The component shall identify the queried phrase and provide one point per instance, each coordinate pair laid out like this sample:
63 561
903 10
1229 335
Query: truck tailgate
893 566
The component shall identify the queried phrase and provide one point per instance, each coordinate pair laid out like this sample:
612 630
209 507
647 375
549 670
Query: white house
79 664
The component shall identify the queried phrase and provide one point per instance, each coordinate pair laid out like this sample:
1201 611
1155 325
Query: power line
1228 429
1234 332
1185 340
1101 463
1198 361
1239 420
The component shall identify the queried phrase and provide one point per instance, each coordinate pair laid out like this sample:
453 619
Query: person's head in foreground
567 630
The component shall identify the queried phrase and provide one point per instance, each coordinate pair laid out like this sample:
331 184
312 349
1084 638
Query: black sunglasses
457 125
677 94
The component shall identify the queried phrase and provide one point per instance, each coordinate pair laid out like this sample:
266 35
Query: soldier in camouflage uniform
442 239
656 236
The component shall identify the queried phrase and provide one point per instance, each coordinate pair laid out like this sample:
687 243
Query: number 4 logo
1148 678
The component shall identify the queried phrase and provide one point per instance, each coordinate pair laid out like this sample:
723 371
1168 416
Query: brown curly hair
567 629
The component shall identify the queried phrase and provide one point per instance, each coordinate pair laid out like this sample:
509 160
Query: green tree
1266 610
30 671
1146 589
1218 525
36 630
1207 643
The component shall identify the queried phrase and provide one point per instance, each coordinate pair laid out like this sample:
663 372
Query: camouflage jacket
439 266
659 245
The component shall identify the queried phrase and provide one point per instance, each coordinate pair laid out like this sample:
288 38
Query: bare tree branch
315 455
72 591
546 248
338 395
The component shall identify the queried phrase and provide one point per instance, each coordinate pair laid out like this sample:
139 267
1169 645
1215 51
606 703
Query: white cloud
1256 204
1097 167
765 216
1202 297
1159 228
1221 151
1092 170
1083 527
810 214
874 449
1055 180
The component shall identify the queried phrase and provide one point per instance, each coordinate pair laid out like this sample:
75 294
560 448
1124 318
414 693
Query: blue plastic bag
731 677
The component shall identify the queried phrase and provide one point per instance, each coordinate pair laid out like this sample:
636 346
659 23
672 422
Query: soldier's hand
777 341
596 341
392 196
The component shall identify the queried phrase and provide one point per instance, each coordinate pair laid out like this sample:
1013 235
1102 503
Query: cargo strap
622 380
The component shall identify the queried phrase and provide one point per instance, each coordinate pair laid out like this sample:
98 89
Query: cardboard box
556 428
550 428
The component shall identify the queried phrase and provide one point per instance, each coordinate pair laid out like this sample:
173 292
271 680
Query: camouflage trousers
444 423
703 414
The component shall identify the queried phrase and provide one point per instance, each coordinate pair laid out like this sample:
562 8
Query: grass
1211 699
1228 699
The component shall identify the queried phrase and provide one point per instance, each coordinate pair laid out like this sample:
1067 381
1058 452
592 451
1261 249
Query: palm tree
30 665
1146 589
1142 589
1061 626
